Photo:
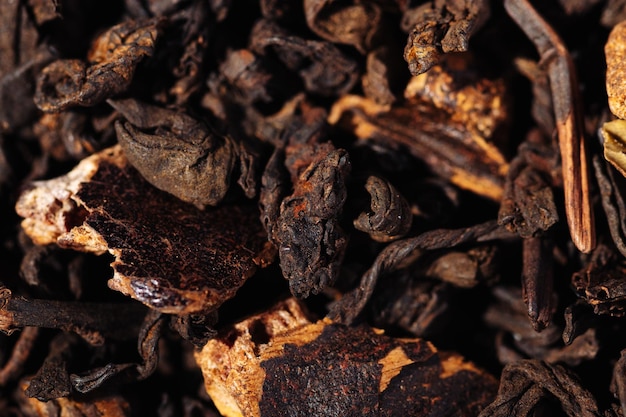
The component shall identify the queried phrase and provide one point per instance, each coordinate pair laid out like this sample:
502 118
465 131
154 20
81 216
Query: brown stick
566 102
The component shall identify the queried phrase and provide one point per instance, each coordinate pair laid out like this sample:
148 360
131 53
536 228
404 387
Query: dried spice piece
440 27
567 108
354 23
169 255
525 385
184 156
390 216
279 362
109 69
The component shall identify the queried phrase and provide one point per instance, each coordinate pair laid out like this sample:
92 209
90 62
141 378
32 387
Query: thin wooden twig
563 85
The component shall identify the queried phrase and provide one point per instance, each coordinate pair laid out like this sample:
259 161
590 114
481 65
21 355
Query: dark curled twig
400 254
527 382
21 351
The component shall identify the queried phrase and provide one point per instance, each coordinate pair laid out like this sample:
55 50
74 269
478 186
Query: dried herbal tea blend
345 208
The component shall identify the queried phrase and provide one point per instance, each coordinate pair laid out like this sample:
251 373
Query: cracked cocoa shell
169 255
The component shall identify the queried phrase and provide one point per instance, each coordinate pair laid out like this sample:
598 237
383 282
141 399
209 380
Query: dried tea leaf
279 363
439 27
310 241
390 217
614 135
169 255
524 385
528 206
111 66
322 66
354 23
180 155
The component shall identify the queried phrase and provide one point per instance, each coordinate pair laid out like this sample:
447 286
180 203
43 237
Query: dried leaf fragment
169 255
439 27
109 71
279 363
184 156
353 23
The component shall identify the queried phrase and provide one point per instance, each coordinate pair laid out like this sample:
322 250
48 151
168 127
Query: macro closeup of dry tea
312 208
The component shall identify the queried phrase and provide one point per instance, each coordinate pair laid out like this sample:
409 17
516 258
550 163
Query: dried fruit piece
280 363
614 135
615 51
169 255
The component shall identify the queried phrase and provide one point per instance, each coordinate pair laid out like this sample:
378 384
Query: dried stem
566 102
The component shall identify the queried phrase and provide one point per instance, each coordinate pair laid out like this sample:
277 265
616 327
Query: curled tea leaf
390 217
180 155
109 71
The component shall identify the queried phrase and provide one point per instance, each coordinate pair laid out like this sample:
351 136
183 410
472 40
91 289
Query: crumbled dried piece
354 23
109 69
278 362
169 255
439 27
